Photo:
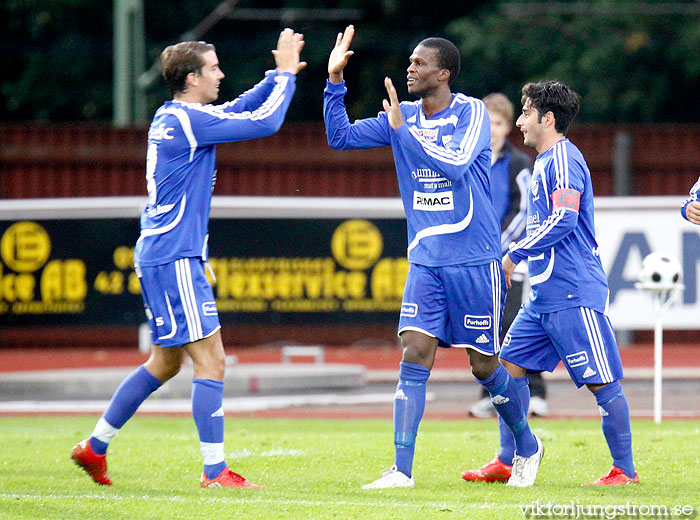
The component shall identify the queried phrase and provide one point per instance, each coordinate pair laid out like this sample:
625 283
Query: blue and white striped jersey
180 164
563 262
443 164
692 198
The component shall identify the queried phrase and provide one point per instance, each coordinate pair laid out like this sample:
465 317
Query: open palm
341 53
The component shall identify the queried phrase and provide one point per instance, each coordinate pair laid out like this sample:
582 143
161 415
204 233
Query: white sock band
212 452
104 431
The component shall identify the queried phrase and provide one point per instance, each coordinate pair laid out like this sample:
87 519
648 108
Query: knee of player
482 365
163 369
418 354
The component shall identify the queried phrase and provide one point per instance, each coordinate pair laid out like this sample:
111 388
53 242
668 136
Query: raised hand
288 50
340 55
692 212
392 107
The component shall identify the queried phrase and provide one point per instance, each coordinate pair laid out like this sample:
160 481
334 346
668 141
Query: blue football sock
506 399
208 413
616 425
126 399
506 436
409 404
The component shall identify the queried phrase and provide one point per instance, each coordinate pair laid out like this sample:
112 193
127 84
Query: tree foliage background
631 61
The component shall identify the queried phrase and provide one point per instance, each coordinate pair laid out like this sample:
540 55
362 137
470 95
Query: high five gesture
289 48
340 55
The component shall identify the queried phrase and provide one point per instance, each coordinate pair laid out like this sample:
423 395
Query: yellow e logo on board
357 244
25 247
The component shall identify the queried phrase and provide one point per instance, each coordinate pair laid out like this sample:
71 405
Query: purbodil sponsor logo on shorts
477 322
433 201
577 359
209 308
409 310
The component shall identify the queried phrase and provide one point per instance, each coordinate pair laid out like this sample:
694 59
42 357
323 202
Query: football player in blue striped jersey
171 253
454 290
690 209
564 318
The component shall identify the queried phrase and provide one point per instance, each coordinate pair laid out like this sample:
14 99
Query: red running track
374 358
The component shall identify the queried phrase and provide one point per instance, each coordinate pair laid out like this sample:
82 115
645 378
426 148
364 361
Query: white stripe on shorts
193 299
496 301
173 323
189 303
596 341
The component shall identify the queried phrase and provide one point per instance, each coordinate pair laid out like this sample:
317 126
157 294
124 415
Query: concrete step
241 380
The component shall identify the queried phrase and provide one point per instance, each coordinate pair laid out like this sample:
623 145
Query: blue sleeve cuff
338 87
514 257
289 75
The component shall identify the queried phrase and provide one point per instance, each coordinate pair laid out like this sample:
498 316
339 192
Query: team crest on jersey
446 140
429 134
534 187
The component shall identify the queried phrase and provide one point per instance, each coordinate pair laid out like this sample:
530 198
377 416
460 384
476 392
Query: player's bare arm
287 54
692 212
392 107
340 55
508 268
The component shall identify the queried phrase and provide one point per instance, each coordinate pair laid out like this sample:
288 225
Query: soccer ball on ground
660 270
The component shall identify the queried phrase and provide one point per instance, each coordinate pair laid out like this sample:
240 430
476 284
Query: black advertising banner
80 271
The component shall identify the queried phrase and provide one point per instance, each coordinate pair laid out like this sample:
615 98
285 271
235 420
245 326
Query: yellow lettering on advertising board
355 279
15 287
25 248
63 280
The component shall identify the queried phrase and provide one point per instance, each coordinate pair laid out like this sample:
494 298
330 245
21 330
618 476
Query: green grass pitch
313 469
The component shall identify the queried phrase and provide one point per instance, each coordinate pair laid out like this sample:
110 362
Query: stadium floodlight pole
663 296
129 61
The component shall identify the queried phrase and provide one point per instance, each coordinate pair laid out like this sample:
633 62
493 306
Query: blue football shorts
179 302
459 305
583 339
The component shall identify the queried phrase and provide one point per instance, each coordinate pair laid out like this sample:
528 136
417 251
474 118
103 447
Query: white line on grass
231 404
276 452
261 500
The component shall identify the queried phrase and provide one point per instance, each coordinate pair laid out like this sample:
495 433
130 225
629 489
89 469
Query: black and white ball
660 269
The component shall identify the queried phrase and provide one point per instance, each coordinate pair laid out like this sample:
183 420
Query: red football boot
228 478
493 471
94 465
614 477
